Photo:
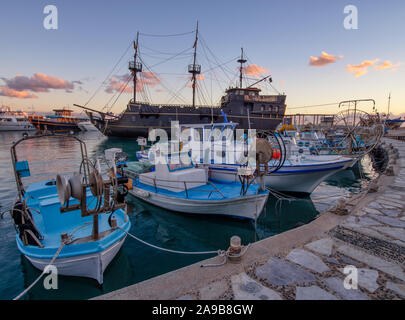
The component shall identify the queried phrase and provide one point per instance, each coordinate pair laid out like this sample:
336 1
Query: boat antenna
135 66
389 104
242 60
194 68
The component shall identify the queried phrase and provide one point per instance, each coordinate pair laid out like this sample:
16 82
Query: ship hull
134 125
54 126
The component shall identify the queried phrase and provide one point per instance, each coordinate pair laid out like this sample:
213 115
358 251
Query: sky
303 45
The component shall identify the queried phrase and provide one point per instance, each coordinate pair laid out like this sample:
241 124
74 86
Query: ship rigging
243 105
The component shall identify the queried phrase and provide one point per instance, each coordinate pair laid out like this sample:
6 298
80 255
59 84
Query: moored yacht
14 121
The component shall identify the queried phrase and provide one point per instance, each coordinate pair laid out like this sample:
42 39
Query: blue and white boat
177 185
74 224
298 172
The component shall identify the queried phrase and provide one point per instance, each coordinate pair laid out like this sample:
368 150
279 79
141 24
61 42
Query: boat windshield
179 161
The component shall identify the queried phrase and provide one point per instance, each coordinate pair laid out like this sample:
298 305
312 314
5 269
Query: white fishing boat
177 185
14 121
299 172
77 225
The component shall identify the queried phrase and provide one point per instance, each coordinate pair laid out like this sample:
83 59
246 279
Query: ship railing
171 105
184 188
262 98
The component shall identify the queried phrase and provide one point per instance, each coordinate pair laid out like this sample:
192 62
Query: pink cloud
120 83
323 60
387 65
361 68
39 82
7 92
254 70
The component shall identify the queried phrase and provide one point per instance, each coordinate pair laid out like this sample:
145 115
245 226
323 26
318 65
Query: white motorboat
14 121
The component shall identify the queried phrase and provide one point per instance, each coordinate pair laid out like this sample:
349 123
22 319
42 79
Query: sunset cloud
21 87
39 82
120 83
7 92
387 65
323 60
254 70
361 68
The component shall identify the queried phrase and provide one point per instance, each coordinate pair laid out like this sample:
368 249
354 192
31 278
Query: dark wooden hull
134 125
54 126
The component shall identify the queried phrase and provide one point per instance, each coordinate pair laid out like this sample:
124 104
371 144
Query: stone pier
312 261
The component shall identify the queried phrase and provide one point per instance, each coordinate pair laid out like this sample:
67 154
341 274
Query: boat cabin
174 172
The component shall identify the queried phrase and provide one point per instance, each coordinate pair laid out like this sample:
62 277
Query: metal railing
185 189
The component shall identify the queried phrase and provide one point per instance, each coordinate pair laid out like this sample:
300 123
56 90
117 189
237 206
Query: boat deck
230 190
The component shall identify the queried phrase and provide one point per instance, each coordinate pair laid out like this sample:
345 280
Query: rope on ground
41 275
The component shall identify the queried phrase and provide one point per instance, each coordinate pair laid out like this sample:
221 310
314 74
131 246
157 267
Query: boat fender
142 193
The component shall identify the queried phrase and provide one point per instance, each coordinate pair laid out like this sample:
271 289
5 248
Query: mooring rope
219 252
43 272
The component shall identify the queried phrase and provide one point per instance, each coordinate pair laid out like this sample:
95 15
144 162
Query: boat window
198 134
207 133
216 133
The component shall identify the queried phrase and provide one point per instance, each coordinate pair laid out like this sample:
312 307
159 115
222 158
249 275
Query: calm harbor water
136 262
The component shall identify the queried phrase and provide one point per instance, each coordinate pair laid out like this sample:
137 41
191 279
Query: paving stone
349 262
313 293
214 290
279 272
393 195
337 285
372 233
308 260
397 233
374 205
366 222
185 297
394 222
399 242
332 260
393 213
393 200
396 287
373 261
389 204
366 279
371 210
245 288
322 246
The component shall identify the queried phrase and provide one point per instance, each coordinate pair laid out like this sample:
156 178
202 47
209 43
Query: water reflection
137 262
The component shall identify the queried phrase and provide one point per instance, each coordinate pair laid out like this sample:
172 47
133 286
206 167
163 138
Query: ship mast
389 104
194 68
242 60
135 66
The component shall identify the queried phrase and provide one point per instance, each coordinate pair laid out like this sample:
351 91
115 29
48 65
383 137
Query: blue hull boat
78 237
